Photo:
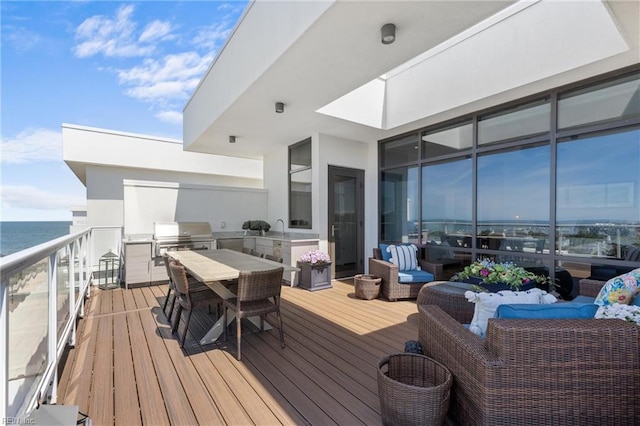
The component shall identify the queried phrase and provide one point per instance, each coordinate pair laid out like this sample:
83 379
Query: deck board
128 368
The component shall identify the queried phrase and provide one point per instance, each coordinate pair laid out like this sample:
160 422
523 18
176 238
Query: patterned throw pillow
487 303
620 289
405 256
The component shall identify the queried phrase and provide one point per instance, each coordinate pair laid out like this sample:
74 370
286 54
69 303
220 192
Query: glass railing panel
62 284
28 332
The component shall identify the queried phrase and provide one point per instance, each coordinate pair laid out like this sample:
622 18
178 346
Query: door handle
333 230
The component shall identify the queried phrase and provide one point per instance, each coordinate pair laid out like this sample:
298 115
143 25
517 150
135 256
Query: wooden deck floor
128 369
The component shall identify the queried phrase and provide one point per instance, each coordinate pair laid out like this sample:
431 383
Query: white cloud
157 30
212 36
21 39
113 37
172 117
30 197
166 80
32 145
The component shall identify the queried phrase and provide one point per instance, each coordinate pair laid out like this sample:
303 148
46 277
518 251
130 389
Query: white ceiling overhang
324 60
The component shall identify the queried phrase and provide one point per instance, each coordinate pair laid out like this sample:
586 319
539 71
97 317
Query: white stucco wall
332 151
84 146
276 181
105 194
225 208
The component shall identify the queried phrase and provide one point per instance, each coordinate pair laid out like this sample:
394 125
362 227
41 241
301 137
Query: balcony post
52 357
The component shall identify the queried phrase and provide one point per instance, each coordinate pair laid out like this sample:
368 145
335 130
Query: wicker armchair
391 289
556 371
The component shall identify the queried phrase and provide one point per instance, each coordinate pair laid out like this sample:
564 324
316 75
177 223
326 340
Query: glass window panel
300 155
513 200
447 141
619 99
399 209
28 332
526 120
400 151
62 284
446 207
598 196
300 199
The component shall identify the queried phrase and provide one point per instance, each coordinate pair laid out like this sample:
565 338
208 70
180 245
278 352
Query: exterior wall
326 150
225 208
105 193
276 181
332 151
84 146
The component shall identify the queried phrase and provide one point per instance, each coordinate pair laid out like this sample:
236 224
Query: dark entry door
346 221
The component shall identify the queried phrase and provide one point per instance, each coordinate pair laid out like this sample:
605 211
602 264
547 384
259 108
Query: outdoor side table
367 286
413 389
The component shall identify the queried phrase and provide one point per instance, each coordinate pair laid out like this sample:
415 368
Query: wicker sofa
554 371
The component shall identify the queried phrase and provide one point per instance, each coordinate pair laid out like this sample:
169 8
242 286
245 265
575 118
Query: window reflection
604 102
598 195
447 141
400 205
526 120
400 151
300 185
513 200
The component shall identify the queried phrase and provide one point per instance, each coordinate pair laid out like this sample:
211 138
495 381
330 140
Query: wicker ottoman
413 390
367 286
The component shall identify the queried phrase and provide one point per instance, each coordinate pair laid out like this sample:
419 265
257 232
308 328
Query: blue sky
126 66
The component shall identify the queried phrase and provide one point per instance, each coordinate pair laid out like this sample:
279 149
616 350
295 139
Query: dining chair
194 285
273 257
254 253
246 250
188 298
258 294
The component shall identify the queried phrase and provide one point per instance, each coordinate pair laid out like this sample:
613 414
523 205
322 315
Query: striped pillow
405 256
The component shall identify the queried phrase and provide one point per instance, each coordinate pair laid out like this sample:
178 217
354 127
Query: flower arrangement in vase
494 276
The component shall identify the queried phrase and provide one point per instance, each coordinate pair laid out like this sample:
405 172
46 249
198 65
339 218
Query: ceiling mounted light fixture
388 33
232 139
279 107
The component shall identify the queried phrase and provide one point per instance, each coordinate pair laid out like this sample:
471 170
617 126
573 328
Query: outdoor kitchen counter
289 247
288 236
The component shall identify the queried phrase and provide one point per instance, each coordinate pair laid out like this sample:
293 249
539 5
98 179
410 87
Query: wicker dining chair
258 294
273 257
194 285
188 298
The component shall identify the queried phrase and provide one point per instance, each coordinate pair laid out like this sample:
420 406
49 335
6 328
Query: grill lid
181 230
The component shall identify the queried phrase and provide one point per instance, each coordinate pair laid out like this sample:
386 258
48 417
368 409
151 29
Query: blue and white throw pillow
405 256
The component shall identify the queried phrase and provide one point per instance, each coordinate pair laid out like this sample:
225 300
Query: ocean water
16 236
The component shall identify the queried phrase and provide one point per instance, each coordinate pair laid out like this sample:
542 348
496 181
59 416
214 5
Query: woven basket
413 390
367 286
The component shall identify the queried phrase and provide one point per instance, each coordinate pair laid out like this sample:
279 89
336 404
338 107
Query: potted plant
315 270
494 277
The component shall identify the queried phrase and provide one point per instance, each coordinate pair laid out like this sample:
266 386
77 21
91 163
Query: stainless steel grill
171 236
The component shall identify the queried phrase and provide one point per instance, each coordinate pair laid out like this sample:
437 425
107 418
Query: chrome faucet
280 220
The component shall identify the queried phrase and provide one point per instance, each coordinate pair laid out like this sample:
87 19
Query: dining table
214 266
